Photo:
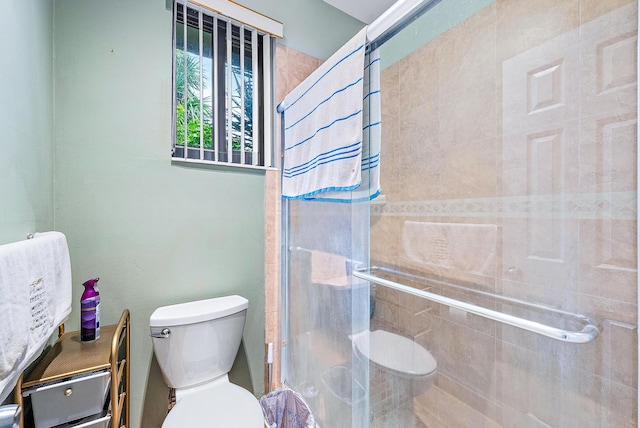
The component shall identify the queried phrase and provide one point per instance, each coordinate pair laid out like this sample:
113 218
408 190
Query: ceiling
364 10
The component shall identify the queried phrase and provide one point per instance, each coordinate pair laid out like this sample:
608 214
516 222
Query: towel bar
588 333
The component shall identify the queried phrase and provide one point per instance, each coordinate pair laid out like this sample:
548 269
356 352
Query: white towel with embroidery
35 297
464 247
323 119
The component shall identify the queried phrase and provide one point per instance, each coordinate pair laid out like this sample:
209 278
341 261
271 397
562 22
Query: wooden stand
69 357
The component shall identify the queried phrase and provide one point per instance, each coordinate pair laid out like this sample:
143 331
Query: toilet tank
196 342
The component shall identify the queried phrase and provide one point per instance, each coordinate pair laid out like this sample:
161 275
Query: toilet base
399 370
388 393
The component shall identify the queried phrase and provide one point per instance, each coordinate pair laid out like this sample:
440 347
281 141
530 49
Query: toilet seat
396 353
224 406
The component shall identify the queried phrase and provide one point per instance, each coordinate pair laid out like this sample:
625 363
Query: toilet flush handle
162 334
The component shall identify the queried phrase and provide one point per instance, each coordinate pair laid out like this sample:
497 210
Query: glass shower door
326 308
509 171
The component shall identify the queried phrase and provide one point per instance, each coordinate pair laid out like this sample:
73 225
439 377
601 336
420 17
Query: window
222 89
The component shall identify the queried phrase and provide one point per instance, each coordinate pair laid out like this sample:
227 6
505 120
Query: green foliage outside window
189 103
192 103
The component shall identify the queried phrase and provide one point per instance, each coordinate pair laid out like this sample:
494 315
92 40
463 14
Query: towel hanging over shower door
327 127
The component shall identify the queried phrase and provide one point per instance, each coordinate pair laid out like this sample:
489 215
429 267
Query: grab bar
587 334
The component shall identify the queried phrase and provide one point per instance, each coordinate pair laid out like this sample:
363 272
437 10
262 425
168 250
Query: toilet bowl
388 351
399 371
195 344
397 356
219 403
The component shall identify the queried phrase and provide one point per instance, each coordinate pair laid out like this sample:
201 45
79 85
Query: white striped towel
371 139
323 119
372 132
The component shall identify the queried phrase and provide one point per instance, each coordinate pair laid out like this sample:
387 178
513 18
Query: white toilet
195 344
399 369
390 352
398 356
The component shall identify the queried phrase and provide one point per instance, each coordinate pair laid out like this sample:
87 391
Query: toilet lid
396 353
226 406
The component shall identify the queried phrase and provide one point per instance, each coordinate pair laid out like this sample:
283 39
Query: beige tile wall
524 116
292 67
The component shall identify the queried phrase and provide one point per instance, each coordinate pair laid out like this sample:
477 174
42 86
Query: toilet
195 344
399 369
390 352
397 356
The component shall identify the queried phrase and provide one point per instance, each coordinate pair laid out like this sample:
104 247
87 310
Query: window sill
207 163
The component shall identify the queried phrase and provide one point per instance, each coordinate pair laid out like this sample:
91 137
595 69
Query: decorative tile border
612 205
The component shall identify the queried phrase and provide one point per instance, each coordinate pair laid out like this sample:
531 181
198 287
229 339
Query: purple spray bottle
90 311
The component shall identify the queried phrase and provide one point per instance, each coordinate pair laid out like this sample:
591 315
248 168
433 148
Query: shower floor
398 418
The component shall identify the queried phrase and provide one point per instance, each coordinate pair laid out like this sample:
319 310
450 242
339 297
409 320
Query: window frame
262 123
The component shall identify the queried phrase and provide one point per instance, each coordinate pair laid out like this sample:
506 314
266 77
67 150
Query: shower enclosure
505 239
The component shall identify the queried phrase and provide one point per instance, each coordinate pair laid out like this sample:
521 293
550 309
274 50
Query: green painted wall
156 233
26 118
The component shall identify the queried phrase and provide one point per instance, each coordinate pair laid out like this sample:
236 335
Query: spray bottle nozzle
91 282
